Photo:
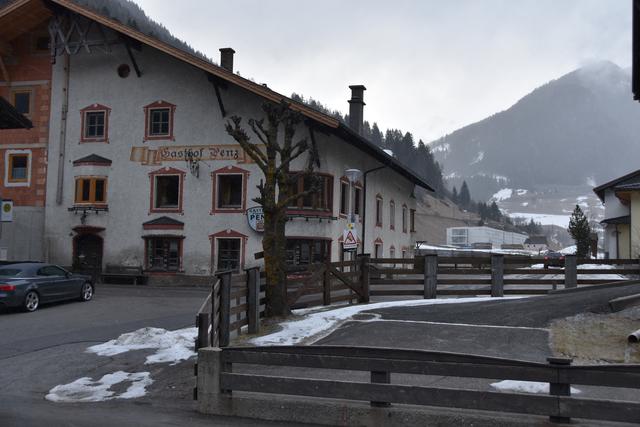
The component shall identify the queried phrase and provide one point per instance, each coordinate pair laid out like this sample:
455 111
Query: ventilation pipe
356 108
226 58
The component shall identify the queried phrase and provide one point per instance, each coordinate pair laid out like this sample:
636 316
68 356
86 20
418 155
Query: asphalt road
43 349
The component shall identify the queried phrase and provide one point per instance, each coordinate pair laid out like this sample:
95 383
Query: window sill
90 140
227 210
166 210
159 138
314 212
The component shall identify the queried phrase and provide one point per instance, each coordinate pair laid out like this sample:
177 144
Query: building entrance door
88 255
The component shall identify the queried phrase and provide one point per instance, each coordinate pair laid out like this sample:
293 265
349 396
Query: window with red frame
320 196
357 200
412 220
392 215
159 120
166 192
344 197
379 211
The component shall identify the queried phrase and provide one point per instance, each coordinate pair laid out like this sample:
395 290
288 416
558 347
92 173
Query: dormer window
95 123
159 120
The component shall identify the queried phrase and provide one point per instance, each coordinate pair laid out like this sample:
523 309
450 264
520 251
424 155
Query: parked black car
553 259
29 284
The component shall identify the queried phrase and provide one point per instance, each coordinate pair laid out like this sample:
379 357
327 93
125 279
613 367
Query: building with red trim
143 172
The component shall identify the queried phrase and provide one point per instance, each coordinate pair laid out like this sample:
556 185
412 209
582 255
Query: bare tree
276 147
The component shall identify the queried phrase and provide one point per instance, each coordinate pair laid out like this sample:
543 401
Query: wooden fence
381 363
237 300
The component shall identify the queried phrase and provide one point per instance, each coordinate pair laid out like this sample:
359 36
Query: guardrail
219 378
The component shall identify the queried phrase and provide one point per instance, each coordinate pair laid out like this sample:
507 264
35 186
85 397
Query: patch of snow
583 204
478 158
526 387
591 182
521 192
501 195
452 175
569 250
544 219
319 322
388 152
440 148
86 390
525 203
582 198
172 346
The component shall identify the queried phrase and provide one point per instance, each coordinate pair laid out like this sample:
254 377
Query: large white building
142 172
468 236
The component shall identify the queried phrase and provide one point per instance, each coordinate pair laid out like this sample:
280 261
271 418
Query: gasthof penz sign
159 155
255 217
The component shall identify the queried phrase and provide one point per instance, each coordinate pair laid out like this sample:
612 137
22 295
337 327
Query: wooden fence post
326 286
570 271
225 308
561 387
364 277
497 275
253 299
203 320
214 336
430 276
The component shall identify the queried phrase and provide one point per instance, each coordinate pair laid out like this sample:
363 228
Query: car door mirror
68 274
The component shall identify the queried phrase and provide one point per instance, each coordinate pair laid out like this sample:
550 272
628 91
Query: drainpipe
364 203
63 128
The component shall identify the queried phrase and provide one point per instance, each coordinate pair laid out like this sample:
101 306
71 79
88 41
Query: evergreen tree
454 195
376 136
494 212
465 196
580 231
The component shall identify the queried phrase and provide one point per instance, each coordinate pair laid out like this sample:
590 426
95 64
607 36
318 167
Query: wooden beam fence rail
559 405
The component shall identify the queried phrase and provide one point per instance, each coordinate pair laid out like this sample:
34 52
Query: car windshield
10 272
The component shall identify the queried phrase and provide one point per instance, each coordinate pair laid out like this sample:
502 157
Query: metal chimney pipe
226 58
356 108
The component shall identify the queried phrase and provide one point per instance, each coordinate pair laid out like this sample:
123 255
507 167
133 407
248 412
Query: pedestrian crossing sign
350 239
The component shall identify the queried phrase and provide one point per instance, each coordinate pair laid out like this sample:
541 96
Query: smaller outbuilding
536 243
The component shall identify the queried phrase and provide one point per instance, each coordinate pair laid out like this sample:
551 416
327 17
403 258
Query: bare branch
238 133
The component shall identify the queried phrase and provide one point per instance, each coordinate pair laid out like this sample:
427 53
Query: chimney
356 108
226 58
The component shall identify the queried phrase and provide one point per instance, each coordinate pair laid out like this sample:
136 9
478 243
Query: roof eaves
599 190
209 67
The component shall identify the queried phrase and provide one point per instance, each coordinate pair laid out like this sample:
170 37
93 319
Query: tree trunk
274 246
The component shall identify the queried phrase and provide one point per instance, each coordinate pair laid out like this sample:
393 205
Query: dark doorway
87 257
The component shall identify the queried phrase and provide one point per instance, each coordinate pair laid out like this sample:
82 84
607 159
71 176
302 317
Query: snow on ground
544 219
582 198
501 195
558 271
448 248
86 390
172 346
569 250
525 204
320 322
521 192
526 387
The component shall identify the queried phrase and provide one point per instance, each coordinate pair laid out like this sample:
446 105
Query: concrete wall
22 238
487 235
197 122
624 241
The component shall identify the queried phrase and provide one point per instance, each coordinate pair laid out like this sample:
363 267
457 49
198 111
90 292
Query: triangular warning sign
350 239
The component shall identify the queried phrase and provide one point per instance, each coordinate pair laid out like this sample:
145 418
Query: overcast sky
430 67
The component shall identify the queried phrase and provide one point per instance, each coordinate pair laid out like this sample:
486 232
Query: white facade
136 161
466 236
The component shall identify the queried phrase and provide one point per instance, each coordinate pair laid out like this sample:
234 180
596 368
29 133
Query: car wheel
86 292
31 301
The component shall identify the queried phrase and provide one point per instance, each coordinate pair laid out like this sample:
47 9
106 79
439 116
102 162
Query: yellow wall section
623 241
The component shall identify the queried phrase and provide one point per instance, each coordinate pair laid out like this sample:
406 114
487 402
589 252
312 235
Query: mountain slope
574 131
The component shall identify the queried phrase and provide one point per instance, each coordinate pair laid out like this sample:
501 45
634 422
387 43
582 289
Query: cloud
430 67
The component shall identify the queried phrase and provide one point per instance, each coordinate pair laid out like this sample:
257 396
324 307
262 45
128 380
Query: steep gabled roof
33 12
599 190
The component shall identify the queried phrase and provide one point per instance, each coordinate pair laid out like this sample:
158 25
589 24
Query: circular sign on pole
255 217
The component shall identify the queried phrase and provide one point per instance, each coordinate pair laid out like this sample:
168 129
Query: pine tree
454 195
580 231
465 196
494 212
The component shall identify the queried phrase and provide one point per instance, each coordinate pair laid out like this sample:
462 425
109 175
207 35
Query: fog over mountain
578 130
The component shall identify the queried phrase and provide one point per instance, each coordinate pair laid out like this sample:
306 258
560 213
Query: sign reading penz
255 217
173 153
